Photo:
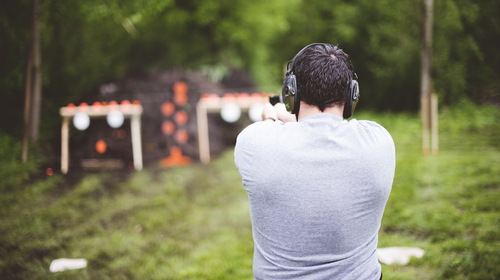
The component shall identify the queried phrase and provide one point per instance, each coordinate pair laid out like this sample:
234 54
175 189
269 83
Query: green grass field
193 222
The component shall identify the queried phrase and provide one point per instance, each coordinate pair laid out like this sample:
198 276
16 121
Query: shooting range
163 126
119 120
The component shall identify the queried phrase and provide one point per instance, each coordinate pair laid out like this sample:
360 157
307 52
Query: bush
12 170
468 116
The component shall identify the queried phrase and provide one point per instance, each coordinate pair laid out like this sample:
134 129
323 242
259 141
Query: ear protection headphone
290 96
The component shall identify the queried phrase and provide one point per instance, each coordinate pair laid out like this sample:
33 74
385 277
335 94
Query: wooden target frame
212 103
134 111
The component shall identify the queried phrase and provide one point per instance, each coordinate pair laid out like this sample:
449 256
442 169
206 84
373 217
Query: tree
86 42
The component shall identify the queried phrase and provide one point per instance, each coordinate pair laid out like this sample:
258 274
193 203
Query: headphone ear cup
352 100
289 95
296 103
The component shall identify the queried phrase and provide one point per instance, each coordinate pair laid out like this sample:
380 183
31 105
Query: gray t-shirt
317 190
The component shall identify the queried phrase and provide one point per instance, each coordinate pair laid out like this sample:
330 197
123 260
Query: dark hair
323 76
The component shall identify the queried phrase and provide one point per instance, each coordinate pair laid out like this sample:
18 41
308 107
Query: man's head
323 73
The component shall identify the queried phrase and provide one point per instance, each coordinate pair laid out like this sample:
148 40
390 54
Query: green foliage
380 36
384 41
469 117
14 37
13 172
88 42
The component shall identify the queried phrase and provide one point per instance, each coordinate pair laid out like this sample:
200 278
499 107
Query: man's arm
278 112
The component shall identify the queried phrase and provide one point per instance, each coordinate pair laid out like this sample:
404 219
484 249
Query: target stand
98 110
210 103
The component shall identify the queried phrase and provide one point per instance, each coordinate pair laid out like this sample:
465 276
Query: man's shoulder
251 134
373 133
369 126
257 128
253 143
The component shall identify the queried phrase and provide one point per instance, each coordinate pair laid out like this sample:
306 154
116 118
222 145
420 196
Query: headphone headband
289 94
289 70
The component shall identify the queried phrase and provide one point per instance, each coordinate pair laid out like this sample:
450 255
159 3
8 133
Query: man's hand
283 114
278 112
269 113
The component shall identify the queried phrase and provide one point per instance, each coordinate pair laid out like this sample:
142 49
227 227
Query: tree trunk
27 104
426 82
37 75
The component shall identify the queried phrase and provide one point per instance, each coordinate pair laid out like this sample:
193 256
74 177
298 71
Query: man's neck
307 110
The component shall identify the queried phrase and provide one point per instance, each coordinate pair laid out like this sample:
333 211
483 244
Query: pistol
274 99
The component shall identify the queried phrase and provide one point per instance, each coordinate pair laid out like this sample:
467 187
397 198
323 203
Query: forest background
85 42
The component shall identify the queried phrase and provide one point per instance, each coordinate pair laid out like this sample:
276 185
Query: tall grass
193 222
448 205
13 172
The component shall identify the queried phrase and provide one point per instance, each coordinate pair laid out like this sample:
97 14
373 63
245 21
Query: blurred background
85 43
103 50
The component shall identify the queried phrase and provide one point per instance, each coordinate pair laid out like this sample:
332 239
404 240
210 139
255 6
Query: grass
183 223
448 205
193 222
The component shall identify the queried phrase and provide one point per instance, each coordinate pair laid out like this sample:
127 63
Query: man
317 184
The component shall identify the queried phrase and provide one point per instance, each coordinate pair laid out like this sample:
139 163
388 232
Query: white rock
398 255
65 264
